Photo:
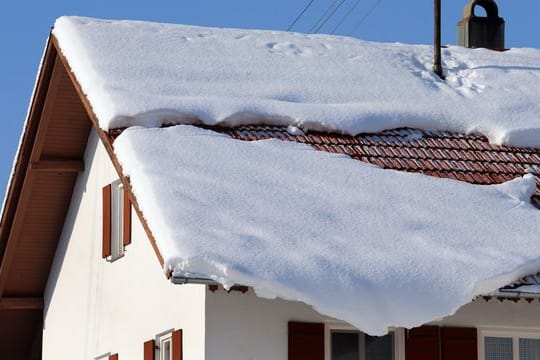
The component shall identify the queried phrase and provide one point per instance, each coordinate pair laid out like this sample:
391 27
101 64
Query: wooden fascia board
25 148
21 303
107 142
22 179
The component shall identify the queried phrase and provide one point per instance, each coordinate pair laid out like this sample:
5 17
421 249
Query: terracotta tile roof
469 158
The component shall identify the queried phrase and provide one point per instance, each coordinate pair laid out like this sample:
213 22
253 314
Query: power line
300 15
370 11
330 16
346 16
324 16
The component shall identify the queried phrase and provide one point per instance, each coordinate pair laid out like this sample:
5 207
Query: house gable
46 168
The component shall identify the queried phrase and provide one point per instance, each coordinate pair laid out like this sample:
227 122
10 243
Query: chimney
479 31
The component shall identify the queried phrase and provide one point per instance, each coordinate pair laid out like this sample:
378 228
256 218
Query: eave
49 159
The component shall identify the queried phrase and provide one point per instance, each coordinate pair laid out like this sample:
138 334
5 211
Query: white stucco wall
93 306
244 327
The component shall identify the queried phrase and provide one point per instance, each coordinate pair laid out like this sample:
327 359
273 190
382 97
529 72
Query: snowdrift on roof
373 247
141 73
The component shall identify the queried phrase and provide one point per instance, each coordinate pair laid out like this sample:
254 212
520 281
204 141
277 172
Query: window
166 346
107 356
359 346
346 343
510 345
116 221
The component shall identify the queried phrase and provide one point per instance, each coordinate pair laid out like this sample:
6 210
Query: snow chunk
141 73
373 247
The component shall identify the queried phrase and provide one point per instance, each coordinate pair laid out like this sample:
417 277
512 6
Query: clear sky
25 26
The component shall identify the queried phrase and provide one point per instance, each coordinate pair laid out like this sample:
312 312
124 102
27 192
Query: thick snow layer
374 247
140 73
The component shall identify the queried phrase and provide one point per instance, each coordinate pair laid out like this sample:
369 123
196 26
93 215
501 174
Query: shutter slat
177 352
149 350
127 218
306 341
106 245
459 343
422 343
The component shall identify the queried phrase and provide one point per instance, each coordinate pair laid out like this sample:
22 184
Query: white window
117 220
509 344
164 346
345 343
103 357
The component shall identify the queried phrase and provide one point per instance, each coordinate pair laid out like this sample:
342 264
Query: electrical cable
370 11
300 15
346 16
330 16
326 13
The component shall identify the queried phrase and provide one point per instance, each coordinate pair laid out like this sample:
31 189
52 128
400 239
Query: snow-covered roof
374 247
141 73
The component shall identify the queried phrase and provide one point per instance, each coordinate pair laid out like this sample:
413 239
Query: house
165 205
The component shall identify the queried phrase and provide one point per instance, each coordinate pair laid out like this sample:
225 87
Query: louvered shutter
177 345
459 343
113 357
422 343
126 231
106 245
149 350
306 341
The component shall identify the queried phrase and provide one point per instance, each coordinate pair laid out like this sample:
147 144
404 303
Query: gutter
182 280
512 294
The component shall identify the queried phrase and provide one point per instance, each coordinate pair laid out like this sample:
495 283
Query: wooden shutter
106 246
126 231
306 341
422 343
113 357
459 343
177 345
149 350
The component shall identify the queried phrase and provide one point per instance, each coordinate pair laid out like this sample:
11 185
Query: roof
470 158
284 219
169 73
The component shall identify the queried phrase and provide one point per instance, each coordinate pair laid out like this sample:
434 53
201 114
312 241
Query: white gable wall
93 306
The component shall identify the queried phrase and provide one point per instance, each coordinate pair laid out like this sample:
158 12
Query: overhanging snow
376 248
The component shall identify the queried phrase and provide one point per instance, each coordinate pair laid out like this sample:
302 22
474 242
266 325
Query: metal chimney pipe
437 63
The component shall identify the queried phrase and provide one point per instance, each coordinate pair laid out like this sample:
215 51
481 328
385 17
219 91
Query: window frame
117 221
340 326
162 337
515 333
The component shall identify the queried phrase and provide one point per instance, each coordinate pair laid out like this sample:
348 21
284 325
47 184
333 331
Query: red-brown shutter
306 341
113 357
422 343
127 218
149 350
106 246
459 343
177 345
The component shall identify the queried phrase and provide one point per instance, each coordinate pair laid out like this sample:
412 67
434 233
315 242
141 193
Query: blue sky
25 26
